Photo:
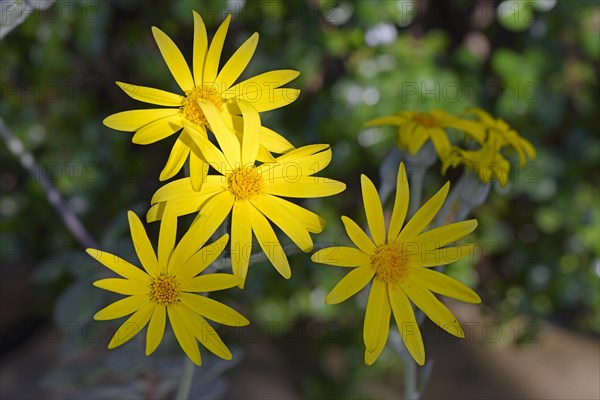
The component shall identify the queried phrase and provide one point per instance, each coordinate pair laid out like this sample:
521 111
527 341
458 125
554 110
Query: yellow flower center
426 120
192 111
245 182
165 289
390 263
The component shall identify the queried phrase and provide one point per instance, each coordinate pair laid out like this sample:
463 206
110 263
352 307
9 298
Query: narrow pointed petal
167 236
253 87
377 317
198 171
274 142
423 217
305 187
241 239
443 256
156 328
119 266
251 137
158 130
447 234
373 210
123 286
132 326
238 62
200 260
210 282
341 257
184 335
174 60
177 157
200 48
407 323
226 138
432 307
268 242
351 284
400 204
142 245
291 168
214 310
207 335
358 236
213 56
210 152
133 120
271 100
444 285
151 95
123 307
311 221
182 188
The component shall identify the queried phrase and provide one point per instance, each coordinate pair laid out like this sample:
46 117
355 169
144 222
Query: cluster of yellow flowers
491 135
239 167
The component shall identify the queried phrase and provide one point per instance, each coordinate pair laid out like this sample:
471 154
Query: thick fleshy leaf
156 328
400 204
373 210
423 217
341 257
238 62
406 322
119 266
358 236
444 285
213 57
142 245
123 286
351 284
211 283
151 95
377 317
174 60
123 307
184 335
241 239
267 239
214 310
130 121
132 326
158 130
200 48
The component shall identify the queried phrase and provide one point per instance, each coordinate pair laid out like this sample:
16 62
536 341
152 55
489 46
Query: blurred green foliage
533 63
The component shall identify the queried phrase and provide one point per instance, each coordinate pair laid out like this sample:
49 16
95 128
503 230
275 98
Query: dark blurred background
533 63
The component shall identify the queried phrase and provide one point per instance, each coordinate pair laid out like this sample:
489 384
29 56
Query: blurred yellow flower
166 288
397 266
415 128
251 192
204 86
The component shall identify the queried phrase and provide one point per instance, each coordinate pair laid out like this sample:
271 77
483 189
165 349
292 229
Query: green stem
187 378
410 379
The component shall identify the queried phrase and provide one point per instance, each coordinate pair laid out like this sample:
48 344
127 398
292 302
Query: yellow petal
373 210
270 100
130 121
241 239
288 223
418 139
268 242
123 286
119 266
200 48
226 138
156 328
200 260
198 171
184 335
182 188
207 335
142 245
311 221
292 168
253 87
447 234
210 152
358 236
432 307
157 130
406 322
132 326
305 187
151 95
443 256
341 257
377 317
351 284
214 310
174 60
167 236
274 142
213 57
423 217
179 154
123 307
210 282
444 285
400 204
440 141
232 70
251 137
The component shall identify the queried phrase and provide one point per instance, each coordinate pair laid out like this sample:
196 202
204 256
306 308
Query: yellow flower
166 288
397 266
204 84
503 135
415 128
251 193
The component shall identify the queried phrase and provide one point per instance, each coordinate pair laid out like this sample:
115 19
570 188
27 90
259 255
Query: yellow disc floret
390 263
192 111
245 182
165 289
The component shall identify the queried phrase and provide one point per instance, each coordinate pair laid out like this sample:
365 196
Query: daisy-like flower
251 192
166 286
500 134
398 265
204 83
415 128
